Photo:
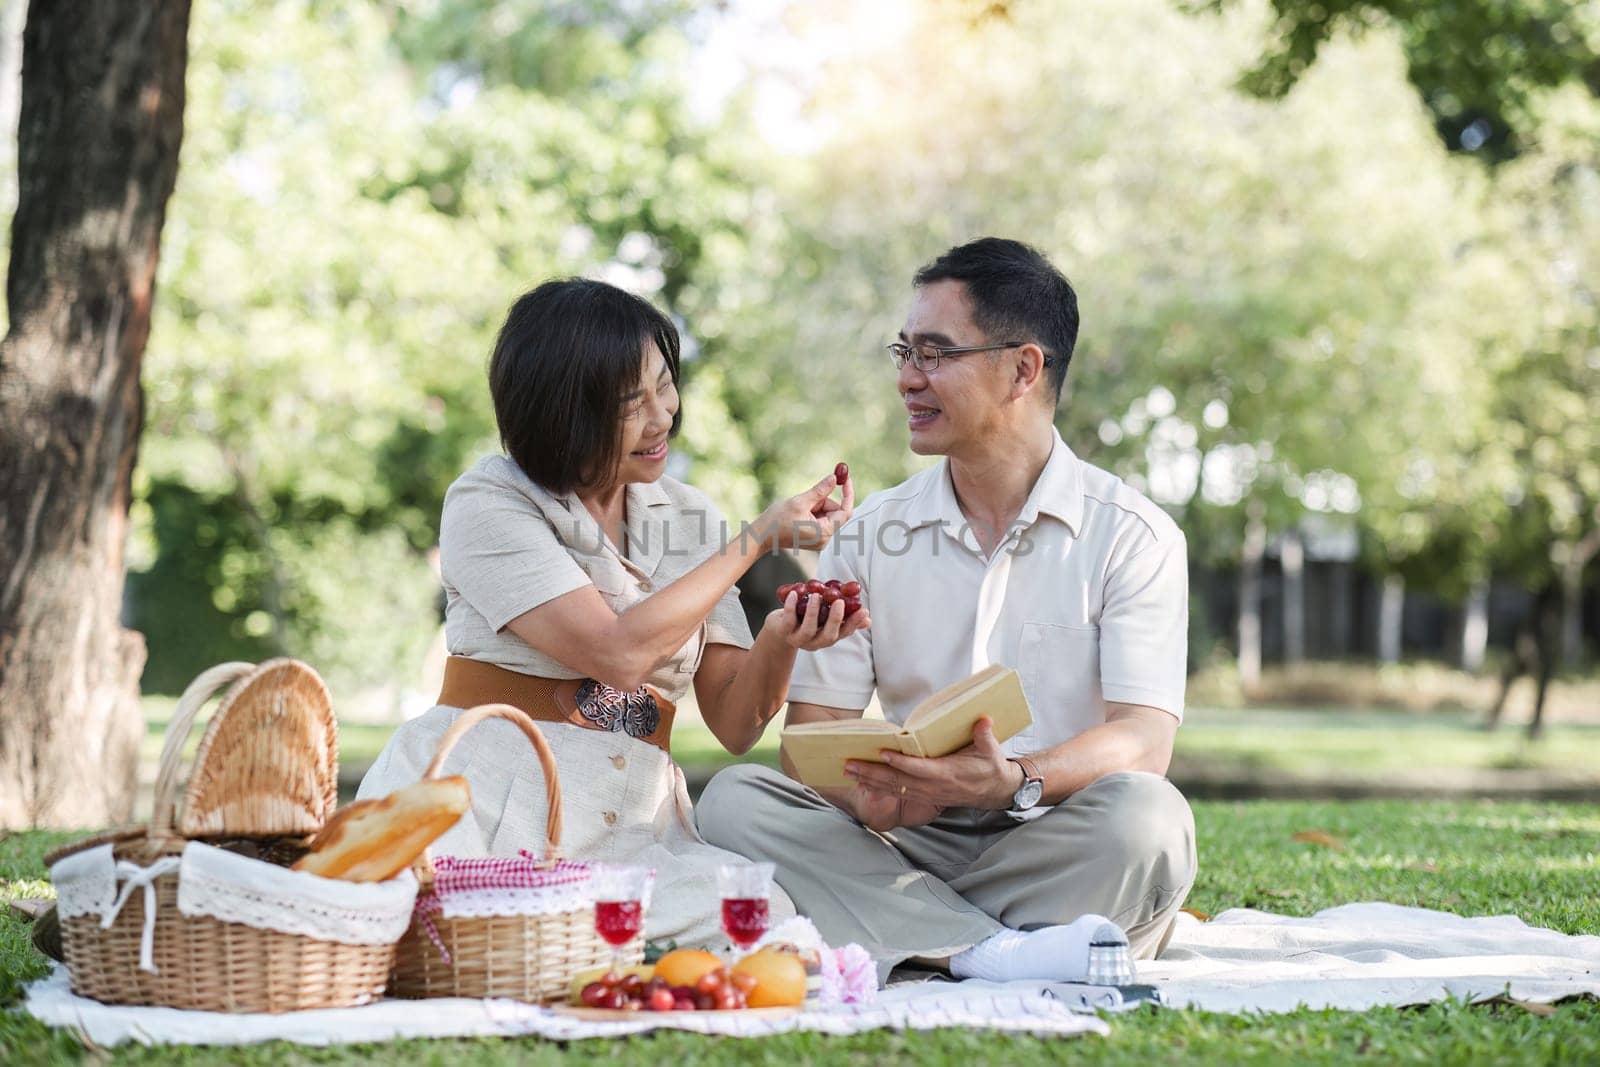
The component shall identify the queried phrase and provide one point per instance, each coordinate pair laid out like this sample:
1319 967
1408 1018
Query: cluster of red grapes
831 591
717 990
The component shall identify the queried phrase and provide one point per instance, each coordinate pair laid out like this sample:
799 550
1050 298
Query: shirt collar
1057 492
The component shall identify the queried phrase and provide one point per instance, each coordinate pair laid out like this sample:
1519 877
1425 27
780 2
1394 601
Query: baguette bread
374 840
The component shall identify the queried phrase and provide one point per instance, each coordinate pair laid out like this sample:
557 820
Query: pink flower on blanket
848 976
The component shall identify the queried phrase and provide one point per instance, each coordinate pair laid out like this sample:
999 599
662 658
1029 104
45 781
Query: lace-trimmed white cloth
224 885
86 882
234 888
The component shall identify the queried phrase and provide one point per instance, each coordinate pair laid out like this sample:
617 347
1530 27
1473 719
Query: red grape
662 1000
709 982
832 591
841 473
743 981
704 1001
614 999
593 993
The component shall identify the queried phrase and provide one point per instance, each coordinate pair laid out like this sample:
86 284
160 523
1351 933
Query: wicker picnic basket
158 916
502 926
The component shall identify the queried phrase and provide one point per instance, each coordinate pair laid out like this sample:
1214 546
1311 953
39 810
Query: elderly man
1012 551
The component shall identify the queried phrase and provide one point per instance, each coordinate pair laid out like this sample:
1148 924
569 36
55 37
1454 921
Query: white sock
1052 953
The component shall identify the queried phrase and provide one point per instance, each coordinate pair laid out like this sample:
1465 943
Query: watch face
1026 797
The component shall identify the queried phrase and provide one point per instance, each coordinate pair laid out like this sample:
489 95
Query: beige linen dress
507 546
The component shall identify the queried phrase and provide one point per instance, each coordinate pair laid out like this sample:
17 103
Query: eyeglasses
926 357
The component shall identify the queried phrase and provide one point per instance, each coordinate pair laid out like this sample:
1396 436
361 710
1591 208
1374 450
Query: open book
938 726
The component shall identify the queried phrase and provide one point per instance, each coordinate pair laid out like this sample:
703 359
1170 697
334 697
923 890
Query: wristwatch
1032 788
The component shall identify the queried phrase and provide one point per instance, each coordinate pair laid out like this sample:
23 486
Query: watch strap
1030 771
1030 776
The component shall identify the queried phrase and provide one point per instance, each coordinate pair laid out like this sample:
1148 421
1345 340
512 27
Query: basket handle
547 763
163 817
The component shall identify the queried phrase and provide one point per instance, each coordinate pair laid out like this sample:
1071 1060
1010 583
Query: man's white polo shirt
1087 597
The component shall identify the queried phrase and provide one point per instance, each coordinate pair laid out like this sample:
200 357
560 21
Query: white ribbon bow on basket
141 878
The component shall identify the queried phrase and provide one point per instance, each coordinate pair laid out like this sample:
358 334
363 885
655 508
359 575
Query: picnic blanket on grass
921 1007
1359 956
1352 957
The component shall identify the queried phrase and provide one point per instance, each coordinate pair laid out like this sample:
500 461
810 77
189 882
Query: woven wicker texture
203 964
268 763
206 964
529 957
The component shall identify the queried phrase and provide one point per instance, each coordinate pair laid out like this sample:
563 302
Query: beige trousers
1122 847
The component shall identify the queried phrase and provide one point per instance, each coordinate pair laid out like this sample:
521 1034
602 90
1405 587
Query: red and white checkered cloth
518 884
458 874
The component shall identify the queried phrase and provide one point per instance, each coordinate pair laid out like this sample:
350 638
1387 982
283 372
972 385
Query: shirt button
644 584
619 762
610 817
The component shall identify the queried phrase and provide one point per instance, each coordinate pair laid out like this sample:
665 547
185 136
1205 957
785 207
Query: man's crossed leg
1122 847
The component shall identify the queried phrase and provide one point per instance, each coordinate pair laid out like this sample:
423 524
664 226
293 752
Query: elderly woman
592 591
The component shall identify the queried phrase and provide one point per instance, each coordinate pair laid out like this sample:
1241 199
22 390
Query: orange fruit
780 979
686 966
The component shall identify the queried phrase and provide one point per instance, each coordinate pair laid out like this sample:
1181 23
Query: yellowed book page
818 750
943 723
952 694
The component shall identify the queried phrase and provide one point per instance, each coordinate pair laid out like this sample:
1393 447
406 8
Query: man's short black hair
567 357
1016 294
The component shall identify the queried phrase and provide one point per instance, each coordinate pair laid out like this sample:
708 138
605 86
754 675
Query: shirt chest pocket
1060 668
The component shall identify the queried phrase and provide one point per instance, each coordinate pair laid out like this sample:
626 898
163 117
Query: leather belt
644 714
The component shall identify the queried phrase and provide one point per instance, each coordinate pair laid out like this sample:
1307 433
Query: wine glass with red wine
620 896
745 888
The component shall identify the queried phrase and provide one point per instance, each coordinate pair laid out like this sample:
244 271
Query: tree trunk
1250 556
1294 597
1475 627
98 132
1341 596
1391 613
1575 559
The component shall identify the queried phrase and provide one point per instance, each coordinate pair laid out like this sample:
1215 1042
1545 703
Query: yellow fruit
780 979
594 974
686 966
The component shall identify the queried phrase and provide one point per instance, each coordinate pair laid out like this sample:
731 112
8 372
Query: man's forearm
1134 743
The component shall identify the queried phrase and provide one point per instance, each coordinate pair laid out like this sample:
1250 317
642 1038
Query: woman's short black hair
567 357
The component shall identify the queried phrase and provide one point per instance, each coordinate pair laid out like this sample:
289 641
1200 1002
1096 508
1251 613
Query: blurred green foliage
1308 305
1481 66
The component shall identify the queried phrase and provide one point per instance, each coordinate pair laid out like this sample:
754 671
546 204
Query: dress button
644 584
619 761
610 817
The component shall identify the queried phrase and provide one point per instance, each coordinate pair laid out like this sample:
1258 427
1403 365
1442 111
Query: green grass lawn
1310 742
1314 742
1541 861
